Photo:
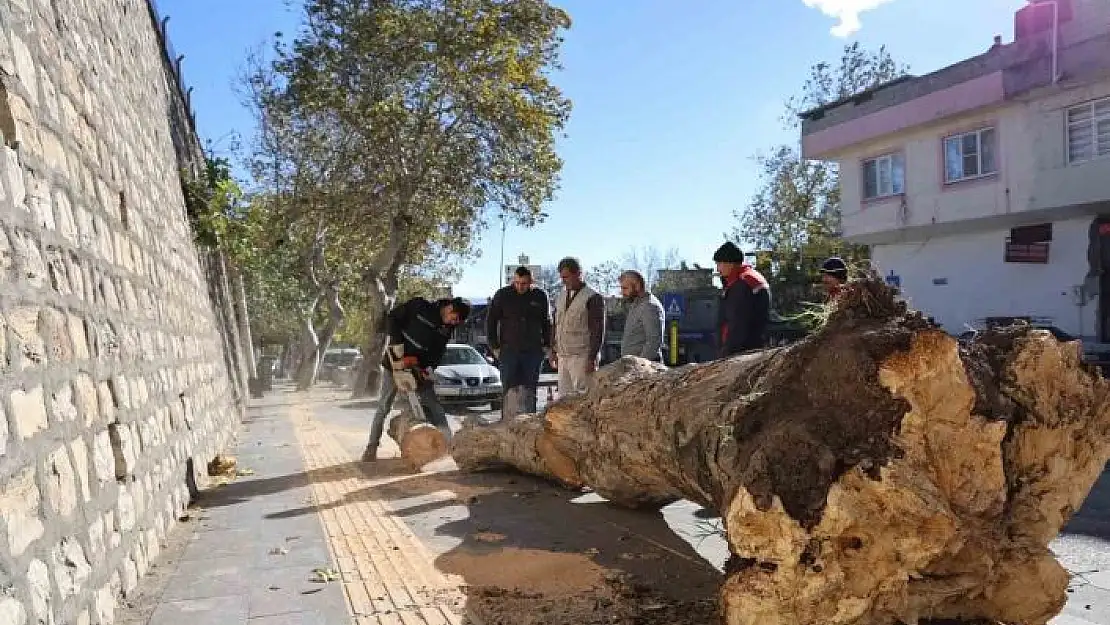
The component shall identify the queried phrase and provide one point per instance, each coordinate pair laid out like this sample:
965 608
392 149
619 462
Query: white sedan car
464 378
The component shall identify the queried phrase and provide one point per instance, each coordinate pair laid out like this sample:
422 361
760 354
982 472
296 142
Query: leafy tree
794 217
419 119
604 278
648 260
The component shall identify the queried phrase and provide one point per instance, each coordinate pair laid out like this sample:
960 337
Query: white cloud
847 11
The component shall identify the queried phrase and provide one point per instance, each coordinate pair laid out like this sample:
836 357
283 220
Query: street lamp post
501 269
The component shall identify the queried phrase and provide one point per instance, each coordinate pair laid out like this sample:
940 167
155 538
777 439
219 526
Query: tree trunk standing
310 354
242 314
335 319
381 292
872 474
210 262
227 305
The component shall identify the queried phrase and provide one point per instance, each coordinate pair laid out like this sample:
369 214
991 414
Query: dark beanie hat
728 253
833 265
462 307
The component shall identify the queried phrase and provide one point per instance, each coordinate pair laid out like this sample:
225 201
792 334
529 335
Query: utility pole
501 269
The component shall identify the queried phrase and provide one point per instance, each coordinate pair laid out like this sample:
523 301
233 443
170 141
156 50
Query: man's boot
370 454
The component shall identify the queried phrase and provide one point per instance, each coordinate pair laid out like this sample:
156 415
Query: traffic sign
674 305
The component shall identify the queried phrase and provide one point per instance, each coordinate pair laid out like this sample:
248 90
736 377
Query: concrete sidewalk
241 558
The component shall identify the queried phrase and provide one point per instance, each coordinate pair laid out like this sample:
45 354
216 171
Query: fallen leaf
245 471
279 551
311 592
323 576
489 537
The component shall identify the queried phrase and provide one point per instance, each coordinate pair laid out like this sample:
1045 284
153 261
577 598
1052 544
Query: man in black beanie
745 303
834 275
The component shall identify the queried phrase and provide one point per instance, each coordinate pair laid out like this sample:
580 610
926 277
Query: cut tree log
420 442
875 473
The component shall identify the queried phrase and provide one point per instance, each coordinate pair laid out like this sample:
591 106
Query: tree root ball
876 472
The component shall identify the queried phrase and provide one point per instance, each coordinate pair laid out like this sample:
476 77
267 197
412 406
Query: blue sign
894 280
674 305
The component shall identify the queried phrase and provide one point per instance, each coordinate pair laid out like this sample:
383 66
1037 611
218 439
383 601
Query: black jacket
418 325
518 321
744 312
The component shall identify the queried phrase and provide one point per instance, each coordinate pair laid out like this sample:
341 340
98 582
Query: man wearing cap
418 334
745 307
834 275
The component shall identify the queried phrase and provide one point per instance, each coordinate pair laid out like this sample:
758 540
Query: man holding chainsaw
419 331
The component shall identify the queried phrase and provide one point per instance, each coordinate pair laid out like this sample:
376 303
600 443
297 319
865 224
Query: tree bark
381 291
310 356
335 318
874 473
242 315
420 442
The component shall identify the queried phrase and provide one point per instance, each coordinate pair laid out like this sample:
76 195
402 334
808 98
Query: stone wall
113 370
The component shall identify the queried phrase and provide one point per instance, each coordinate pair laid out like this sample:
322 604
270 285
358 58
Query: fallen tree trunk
420 442
874 473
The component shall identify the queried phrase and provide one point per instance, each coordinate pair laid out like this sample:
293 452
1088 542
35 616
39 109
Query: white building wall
1033 172
961 279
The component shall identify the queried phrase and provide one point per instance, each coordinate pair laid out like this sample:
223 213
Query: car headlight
442 379
495 378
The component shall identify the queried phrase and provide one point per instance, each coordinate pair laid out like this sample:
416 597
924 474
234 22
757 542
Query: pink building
984 188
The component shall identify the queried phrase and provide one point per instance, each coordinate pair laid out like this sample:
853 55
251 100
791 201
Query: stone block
25 135
60 482
63 216
55 332
20 504
123 450
57 271
104 460
11 176
62 408
28 411
25 67
125 510
30 266
76 272
96 539
130 576
111 531
78 337
24 325
3 432
88 404
80 453
104 606
12 612
7 259
42 592
38 196
71 567
106 401
121 395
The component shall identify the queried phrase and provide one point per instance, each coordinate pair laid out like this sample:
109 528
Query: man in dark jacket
834 274
745 303
418 334
518 327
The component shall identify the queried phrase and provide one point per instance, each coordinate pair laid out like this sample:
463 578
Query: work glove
396 357
405 381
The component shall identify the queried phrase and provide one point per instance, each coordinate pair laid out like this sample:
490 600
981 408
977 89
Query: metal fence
173 61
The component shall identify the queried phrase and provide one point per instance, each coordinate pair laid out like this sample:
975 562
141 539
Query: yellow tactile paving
386 571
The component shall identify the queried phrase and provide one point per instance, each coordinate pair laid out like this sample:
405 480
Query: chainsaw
407 380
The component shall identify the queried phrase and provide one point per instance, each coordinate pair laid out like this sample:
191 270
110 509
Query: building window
1089 131
884 176
1029 244
970 155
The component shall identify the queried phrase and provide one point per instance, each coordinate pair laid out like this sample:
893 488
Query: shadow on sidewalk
530 553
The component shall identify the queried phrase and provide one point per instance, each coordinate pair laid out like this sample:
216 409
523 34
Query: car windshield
462 356
340 359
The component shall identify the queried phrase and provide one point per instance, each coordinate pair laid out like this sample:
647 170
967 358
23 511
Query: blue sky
671 101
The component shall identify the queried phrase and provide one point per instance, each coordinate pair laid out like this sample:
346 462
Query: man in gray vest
579 329
644 323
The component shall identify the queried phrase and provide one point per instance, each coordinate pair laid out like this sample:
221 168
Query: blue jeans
522 368
425 391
